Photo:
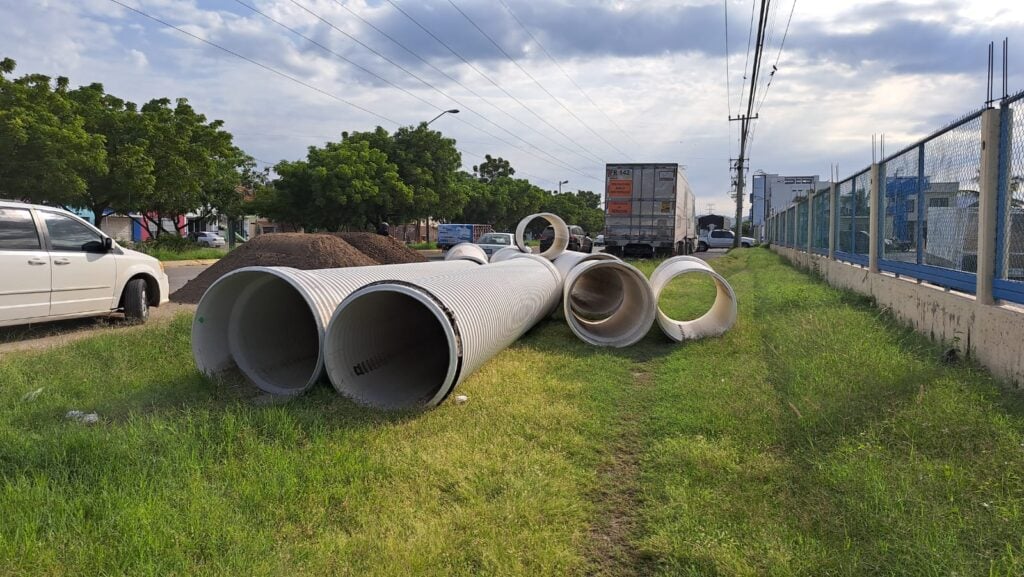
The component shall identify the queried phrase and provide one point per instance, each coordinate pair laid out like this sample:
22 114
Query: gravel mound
297 250
383 249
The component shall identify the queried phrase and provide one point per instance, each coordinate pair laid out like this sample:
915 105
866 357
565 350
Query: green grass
423 245
815 438
190 254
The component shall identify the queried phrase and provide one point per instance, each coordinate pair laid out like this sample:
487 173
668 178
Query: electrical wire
531 77
564 73
485 76
549 158
399 66
775 67
255 62
461 84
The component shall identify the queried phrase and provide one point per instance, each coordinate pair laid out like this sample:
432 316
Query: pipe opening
609 303
597 294
392 347
274 337
688 296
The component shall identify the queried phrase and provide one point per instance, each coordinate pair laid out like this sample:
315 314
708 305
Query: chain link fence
844 229
1010 256
802 222
819 236
900 182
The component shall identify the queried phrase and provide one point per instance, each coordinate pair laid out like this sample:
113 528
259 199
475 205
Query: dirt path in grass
42 336
609 546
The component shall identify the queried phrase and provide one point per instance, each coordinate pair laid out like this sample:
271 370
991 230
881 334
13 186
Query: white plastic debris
461 399
31 395
83 417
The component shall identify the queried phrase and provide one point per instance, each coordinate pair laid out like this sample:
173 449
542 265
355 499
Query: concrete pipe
505 253
608 303
719 318
268 322
467 251
560 242
407 345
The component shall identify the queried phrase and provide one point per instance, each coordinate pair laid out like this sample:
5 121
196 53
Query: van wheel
136 301
746 245
702 246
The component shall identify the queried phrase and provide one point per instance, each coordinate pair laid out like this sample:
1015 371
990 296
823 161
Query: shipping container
649 211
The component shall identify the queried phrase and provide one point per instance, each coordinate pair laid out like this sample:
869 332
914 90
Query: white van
54 265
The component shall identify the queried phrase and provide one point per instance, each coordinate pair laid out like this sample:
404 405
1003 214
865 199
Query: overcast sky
583 83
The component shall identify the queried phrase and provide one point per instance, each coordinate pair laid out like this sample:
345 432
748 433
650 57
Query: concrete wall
993 335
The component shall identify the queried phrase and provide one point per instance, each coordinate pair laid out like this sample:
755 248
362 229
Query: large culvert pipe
268 322
467 251
506 253
719 318
608 303
403 345
569 259
558 244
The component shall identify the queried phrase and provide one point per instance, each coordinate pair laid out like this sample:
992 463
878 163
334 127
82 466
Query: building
774 193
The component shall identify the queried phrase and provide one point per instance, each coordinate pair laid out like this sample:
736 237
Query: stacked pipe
404 336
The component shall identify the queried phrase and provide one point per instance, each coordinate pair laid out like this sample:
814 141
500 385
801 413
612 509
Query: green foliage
342 184
46 153
493 168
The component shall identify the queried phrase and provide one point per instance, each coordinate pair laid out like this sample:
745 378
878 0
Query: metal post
874 210
988 185
833 211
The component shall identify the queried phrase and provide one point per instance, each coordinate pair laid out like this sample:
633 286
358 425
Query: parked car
58 266
208 238
721 238
578 240
492 242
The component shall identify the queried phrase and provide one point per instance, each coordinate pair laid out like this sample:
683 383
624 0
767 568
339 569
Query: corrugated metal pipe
719 318
558 244
269 321
608 303
467 251
401 345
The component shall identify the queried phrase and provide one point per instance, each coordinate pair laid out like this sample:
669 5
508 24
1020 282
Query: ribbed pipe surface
467 251
269 321
719 318
401 345
608 303
506 253
558 244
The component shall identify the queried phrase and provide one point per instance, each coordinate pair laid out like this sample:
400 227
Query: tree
493 168
193 161
342 184
129 169
46 154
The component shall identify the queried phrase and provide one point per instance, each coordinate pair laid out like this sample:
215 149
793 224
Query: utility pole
745 121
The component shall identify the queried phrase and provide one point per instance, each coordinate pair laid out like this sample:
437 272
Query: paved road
179 275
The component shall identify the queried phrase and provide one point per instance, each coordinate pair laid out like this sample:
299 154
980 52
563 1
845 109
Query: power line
746 59
489 79
305 84
552 159
775 67
564 73
251 61
728 88
531 77
464 87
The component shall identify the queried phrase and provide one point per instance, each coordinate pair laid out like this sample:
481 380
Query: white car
210 239
492 242
721 238
57 266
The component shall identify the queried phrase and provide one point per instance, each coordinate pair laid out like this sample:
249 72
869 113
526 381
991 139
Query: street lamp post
560 183
452 111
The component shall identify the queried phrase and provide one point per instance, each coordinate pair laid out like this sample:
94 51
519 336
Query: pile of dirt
383 249
297 250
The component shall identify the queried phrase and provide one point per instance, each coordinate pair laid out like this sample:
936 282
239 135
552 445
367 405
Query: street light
560 183
452 111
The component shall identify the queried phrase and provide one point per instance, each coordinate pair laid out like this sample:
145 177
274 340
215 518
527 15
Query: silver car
492 242
210 239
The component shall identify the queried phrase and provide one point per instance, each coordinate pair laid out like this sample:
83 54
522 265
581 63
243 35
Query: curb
194 262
